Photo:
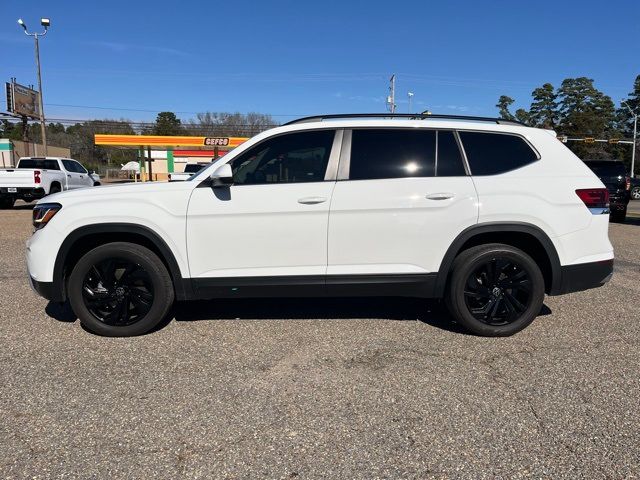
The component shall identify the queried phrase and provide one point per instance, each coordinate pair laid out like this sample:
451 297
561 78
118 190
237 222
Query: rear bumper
583 276
24 192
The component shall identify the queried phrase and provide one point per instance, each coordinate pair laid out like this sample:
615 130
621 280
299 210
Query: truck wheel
619 216
55 188
120 290
495 290
7 202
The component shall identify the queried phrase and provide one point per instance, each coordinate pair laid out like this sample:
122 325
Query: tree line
578 109
79 137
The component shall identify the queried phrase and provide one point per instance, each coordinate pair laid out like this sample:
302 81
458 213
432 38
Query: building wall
12 150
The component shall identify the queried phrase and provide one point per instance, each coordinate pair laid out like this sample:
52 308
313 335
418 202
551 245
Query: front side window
79 168
392 153
494 153
69 166
291 158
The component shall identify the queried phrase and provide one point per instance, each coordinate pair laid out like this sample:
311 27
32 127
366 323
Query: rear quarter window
495 153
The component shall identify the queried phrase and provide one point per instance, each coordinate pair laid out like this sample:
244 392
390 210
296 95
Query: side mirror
222 176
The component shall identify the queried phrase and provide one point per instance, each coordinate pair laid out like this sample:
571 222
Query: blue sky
292 58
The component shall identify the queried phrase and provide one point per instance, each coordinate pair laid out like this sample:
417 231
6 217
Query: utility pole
635 131
391 99
45 22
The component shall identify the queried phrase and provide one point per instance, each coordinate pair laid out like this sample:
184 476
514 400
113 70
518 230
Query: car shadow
430 312
343 308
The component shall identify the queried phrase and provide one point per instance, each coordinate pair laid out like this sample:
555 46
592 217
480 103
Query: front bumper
45 289
583 276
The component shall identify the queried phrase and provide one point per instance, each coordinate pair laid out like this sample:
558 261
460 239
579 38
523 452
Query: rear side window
396 153
449 162
41 163
493 153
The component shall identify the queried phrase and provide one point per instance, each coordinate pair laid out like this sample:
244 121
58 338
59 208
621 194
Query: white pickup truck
36 177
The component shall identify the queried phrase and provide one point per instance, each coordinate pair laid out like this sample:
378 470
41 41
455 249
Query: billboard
22 100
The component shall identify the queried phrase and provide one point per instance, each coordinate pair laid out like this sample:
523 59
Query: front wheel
495 290
120 289
635 193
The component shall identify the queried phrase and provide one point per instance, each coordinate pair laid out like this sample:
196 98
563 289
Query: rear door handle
440 196
312 200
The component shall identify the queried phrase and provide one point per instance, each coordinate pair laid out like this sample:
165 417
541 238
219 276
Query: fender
182 286
493 227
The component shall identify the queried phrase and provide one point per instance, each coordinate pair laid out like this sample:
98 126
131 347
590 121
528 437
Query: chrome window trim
345 155
334 158
465 161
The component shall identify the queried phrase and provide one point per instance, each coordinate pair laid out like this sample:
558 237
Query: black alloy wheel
117 291
120 289
498 291
495 290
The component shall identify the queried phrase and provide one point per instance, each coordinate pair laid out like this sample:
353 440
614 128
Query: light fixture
45 22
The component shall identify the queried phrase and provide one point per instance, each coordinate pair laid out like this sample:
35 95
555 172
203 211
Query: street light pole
635 130
45 22
410 95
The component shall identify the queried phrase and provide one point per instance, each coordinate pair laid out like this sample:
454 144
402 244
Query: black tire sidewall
160 278
467 262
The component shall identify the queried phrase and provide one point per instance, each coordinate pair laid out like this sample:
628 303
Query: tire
120 290
6 203
474 291
96 184
619 216
55 188
635 193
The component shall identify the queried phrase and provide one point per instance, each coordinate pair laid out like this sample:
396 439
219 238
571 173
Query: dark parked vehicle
614 176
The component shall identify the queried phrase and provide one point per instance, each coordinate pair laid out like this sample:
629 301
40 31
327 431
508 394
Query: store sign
216 141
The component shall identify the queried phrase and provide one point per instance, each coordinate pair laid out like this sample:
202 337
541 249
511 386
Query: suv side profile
487 214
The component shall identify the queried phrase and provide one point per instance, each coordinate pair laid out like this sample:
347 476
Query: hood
107 192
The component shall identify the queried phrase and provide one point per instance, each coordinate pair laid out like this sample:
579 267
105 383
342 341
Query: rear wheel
120 290
619 216
635 193
55 188
7 202
495 290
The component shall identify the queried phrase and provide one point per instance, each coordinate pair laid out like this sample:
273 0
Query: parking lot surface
373 388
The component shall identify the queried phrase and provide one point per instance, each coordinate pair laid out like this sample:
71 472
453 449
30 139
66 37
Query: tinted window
292 158
39 163
73 166
607 169
193 168
449 157
392 153
492 153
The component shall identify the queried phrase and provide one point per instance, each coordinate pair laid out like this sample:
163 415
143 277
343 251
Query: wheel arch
527 237
83 239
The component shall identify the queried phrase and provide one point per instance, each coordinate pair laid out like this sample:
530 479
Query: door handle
440 196
68 176
312 200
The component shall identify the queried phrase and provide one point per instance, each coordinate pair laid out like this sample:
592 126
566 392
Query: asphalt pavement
349 388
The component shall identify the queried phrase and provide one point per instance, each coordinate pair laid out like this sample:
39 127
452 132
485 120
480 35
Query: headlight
43 213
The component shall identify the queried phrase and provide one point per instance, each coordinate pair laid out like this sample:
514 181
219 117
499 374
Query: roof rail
412 116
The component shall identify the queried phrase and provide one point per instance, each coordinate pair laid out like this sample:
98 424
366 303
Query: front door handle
312 200
440 196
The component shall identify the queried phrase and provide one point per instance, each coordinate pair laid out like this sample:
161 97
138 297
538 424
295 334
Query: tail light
595 199
36 176
627 182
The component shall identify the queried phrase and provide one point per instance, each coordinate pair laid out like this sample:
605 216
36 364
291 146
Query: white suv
486 213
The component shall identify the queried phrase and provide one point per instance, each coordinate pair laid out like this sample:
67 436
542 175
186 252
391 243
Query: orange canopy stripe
160 140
